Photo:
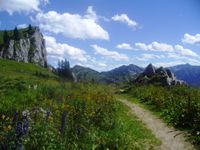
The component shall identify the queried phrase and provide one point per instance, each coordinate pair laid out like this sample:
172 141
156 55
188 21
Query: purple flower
25 126
15 117
63 122
22 128
19 130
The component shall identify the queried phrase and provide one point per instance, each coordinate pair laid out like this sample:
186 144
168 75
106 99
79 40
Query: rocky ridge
161 76
29 48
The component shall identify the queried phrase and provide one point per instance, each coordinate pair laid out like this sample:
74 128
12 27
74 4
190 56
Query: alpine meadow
99 75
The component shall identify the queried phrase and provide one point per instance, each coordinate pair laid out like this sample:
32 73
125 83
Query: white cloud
72 25
193 61
169 64
93 63
123 18
177 62
27 6
191 39
22 26
154 46
163 47
146 57
91 14
110 54
102 64
62 50
180 50
124 46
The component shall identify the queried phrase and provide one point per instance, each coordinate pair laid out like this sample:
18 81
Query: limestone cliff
29 48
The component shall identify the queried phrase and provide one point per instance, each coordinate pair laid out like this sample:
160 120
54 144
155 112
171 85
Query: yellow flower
9 127
7 118
3 117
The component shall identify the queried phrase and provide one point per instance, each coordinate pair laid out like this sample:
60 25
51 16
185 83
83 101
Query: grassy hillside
13 69
40 111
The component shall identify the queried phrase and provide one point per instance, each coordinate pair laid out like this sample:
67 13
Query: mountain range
28 45
126 73
121 74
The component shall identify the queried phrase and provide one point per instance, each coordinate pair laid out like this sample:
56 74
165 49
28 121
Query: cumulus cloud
27 6
191 39
146 57
123 18
62 50
91 14
178 62
21 26
169 64
163 47
110 54
184 52
154 46
72 25
124 46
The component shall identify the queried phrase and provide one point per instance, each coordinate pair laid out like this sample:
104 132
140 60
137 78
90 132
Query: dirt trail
171 138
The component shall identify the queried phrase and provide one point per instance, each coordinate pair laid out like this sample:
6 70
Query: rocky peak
149 70
29 48
160 76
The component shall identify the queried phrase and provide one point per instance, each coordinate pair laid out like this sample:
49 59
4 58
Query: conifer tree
30 29
5 37
16 34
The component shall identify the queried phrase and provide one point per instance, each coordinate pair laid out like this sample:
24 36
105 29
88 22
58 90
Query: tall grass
179 105
40 111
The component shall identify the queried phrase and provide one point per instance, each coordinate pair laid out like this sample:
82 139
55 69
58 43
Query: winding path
171 138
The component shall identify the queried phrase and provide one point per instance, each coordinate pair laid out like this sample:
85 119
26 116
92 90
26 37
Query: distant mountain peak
150 70
160 76
120 74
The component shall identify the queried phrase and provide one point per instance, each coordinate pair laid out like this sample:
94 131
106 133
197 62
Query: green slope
63 115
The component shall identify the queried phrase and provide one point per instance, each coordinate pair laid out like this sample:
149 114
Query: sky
103 34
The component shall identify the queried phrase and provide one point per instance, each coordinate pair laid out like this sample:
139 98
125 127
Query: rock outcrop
159 76
30 48
150 70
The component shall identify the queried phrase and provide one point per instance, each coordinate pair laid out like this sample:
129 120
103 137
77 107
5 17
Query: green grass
12 70
137 136
81 115
19 69
179 106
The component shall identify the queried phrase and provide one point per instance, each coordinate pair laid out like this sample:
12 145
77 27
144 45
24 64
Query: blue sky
103 35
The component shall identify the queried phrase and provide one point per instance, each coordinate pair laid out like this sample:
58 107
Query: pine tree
30 29
64 69
16 34
6 40
5 37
